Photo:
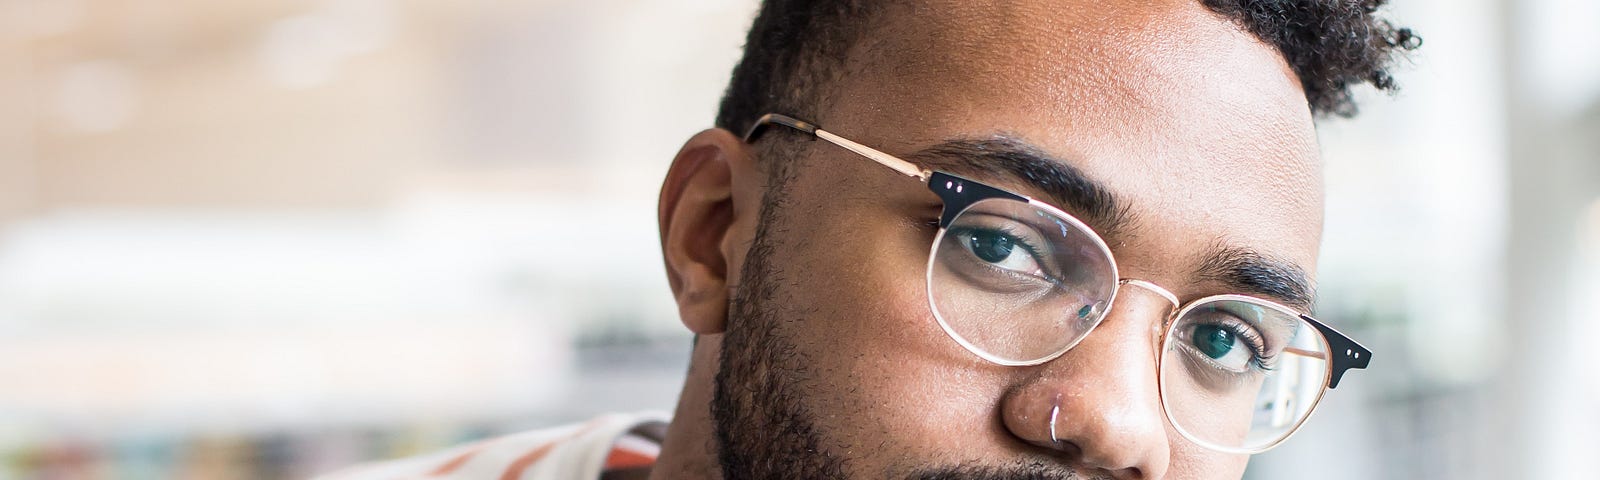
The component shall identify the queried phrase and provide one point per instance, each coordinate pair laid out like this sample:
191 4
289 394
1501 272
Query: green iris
1213 340
991 246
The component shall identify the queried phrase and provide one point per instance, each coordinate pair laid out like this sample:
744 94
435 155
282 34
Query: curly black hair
795 46
1331 44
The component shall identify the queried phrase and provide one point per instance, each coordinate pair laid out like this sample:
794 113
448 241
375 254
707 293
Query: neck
689 450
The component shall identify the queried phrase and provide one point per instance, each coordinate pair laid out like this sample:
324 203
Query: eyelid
1010 226
1031 241
1247 331
968 257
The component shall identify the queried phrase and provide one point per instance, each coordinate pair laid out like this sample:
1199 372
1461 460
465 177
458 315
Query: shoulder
580 450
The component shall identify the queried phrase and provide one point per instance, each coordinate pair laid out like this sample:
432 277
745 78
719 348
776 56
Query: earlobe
698 212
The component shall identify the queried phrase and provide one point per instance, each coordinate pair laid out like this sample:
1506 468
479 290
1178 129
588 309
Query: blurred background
263 239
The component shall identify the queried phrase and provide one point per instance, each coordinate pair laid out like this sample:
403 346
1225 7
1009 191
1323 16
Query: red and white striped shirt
583 451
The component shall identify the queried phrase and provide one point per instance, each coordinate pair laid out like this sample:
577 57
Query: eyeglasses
1019 282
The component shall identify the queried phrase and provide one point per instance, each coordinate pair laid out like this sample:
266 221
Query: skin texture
820 332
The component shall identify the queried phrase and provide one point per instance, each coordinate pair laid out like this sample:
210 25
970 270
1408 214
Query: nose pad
1157 329
1153 288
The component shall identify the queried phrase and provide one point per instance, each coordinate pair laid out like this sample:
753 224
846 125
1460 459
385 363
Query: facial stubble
763 421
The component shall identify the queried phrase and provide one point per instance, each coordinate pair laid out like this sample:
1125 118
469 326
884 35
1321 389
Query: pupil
1213 340
990 246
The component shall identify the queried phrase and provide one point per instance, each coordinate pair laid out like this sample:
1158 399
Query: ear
708 209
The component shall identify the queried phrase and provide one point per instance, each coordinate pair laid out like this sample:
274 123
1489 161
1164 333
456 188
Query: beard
763 428
1028 471
761 408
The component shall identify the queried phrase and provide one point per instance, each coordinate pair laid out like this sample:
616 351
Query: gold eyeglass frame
949 187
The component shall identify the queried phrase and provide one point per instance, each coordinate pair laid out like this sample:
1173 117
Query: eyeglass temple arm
887 160
1346 353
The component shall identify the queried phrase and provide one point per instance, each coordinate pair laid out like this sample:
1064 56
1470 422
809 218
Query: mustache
1026 471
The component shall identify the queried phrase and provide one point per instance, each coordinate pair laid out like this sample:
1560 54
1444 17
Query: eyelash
1020 241
1258 346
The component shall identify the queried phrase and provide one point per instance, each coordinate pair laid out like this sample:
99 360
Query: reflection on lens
1240 375
1018 283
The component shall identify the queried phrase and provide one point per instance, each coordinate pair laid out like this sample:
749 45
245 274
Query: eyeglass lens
1238 375
1018 284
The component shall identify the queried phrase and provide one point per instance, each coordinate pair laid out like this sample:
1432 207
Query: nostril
1069 450
1070 453
1130 473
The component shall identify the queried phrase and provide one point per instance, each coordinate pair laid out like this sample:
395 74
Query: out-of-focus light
712 7
364 25
306 50
1589 232
298 53
1559 43
96 96
40 18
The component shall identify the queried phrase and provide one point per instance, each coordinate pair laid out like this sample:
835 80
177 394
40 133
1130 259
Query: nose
1098 405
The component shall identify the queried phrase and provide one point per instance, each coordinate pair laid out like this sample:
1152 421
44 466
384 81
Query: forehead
1200 127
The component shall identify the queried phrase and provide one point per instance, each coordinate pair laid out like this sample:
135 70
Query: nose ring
1054 412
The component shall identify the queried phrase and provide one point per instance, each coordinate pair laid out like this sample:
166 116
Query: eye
1000 249
1227 343
1222 345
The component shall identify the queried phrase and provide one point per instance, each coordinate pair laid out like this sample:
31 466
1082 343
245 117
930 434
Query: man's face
833 362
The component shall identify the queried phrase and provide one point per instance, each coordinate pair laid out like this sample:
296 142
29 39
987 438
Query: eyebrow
1063 184
1240 269
1244 270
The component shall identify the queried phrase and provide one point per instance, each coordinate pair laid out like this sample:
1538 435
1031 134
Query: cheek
860 278
888 377
1192 462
